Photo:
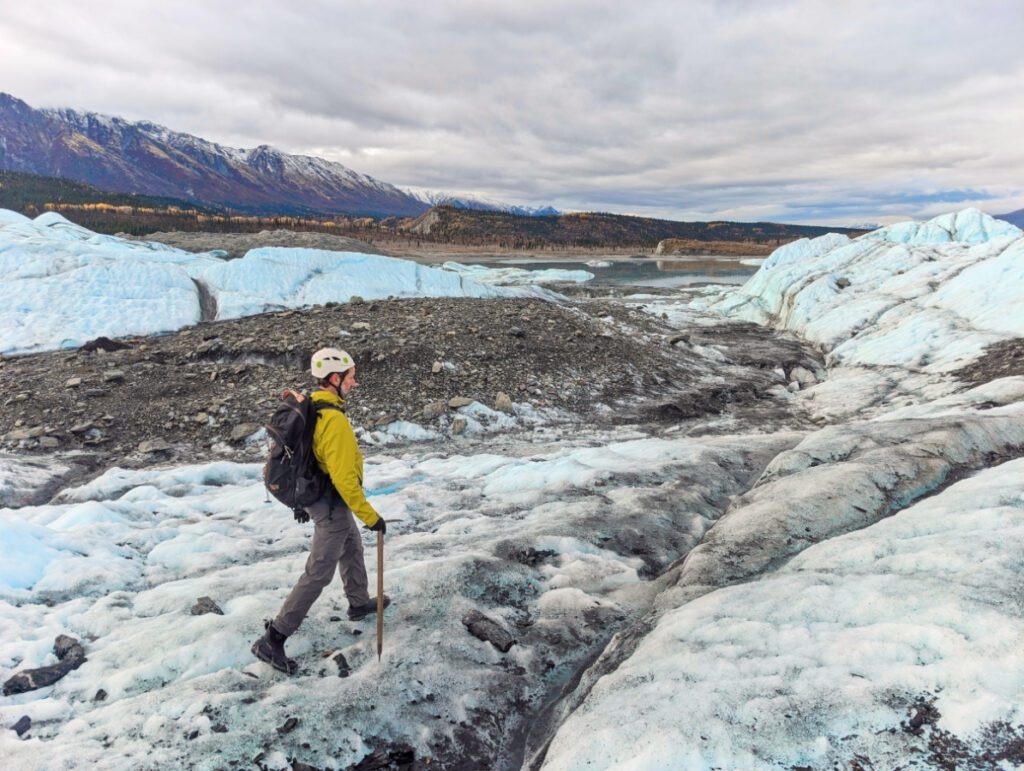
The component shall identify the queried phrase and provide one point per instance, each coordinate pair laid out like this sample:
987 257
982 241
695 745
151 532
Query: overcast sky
831 112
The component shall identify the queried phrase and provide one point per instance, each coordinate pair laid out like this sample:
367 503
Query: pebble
73 382
459 425
243 431
459 401
113 375
436 367
206 605
434 409
155 445
503 403
22 726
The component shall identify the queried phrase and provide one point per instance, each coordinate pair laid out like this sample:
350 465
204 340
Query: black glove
379 526
301 516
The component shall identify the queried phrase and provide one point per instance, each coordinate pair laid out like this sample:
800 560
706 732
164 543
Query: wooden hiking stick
380 594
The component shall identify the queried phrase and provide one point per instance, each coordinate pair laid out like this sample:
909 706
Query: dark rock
401 754
206 605
104 344
343 668
193 734
22 725
71 655
487 629
523 554
289 725
516 332
101 695
219 728
376 760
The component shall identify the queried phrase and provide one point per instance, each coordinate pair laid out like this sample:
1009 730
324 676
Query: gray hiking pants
336 544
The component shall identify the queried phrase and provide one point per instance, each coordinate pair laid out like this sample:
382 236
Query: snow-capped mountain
473 201
120 156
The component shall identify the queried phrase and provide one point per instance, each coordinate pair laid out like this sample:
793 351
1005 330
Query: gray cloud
775 109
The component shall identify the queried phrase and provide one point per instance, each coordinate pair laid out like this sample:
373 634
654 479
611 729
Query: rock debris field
205 391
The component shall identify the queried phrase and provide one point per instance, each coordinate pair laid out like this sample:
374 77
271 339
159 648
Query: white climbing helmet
328 360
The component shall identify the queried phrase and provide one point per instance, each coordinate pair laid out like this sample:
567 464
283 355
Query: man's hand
301 516
379 526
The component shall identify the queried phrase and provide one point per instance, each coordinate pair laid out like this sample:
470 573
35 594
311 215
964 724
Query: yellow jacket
335 449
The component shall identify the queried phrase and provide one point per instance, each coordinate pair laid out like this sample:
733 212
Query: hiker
337 543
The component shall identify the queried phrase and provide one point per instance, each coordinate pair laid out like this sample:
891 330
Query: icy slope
818 663
64 285
277 277
925 296
855 605
554 545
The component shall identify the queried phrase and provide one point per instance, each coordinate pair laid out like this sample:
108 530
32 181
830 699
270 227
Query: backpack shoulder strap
319 407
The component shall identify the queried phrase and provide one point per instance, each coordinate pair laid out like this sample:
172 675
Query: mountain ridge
142 157
478 203
1013 217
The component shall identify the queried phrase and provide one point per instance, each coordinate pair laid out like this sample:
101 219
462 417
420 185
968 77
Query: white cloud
767 109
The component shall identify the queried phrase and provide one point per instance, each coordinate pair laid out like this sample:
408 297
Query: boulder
503 403
459 401
71 656
206 605
803 376
487 629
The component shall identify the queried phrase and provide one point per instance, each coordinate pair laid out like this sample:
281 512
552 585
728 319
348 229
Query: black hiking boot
270 648
356 612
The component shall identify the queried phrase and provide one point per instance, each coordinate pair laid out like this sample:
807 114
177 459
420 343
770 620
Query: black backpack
291 472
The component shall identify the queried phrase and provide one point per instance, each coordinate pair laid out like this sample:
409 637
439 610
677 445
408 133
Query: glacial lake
651 271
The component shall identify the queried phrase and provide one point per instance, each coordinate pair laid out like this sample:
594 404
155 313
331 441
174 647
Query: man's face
348 382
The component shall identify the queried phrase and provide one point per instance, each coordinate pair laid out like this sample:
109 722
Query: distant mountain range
479 203
1014 217
144 158
124 157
